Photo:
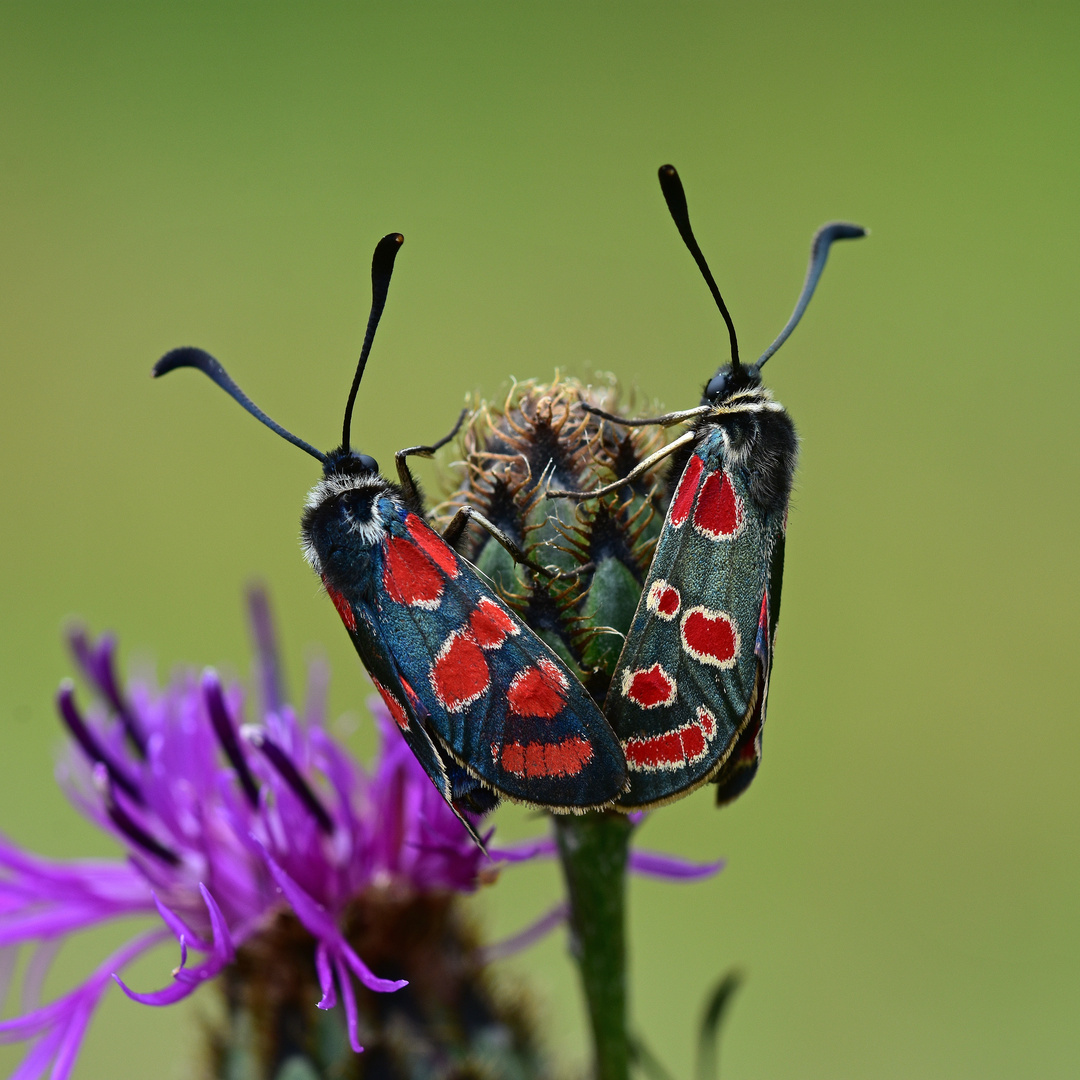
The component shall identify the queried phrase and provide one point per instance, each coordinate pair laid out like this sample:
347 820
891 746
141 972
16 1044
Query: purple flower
225 825
228 826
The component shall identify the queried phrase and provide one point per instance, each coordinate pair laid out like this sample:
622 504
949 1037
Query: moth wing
499 700
691 677
742 765
407 710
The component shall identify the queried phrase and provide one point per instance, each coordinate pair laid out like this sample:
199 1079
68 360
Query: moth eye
718 385
367 462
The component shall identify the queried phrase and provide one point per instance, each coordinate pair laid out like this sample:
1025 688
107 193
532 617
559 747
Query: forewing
742 765
499 700
405 708
693 673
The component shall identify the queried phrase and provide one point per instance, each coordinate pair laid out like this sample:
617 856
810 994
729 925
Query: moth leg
452 534
405 476
667 420
636 471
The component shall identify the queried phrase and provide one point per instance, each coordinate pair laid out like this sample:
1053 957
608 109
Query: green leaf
611 601
708 1036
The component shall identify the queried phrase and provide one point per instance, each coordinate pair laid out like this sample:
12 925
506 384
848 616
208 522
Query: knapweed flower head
233 830
539 439
320 895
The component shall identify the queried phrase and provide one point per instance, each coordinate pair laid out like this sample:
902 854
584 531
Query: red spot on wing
490 625
433 545
538 691
410 693
344 608
663 599
649 687
685 492
459 674
719 513
710 637
397 709
565 758
674 749
409 576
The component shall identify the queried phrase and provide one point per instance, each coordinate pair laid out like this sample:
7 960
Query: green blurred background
902 883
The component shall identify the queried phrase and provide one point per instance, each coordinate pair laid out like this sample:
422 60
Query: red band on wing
566 758
685 492
409 576
490 625
649 687
344 608
433 545
397 710
710 637
675 749
537 691
460 673
719 513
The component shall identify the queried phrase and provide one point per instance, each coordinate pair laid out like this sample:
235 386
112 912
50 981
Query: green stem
593 850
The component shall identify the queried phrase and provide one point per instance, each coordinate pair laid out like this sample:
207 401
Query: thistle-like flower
540 438
305 882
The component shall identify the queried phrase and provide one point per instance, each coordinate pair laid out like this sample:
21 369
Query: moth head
729 380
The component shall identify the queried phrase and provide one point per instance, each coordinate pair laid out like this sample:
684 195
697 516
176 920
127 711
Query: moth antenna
819 252
671 186
382 267
212 369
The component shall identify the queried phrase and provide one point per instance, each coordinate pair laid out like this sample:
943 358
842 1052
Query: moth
689 692
487 708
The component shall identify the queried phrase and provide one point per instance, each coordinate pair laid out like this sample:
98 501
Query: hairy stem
593 849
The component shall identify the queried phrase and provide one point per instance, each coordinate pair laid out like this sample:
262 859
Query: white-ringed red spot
564 758
710 637
409 576
685 492
344 608
459 672
433 545
674 749
663 600
538 691
719 514
491 625
397 709
650 687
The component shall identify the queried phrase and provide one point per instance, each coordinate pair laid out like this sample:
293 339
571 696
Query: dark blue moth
688 696
486 707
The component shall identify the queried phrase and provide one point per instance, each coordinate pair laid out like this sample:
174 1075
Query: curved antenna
382 266
675 197
819 252
204 362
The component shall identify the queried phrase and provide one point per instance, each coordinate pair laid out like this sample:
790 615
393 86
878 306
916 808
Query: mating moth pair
488 708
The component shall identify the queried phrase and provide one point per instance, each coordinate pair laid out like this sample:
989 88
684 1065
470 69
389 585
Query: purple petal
348 999
529 936
671 867
36 970
364 974
326 978
187 980
544 847
35 1062
268 661
177 925
72 1040
318 923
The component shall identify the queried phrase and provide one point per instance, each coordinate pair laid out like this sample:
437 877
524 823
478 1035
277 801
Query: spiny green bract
538 439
